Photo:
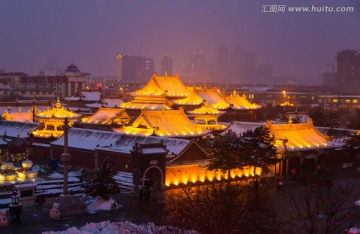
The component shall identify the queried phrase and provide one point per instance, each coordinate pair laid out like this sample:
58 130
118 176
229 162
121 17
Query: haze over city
92 33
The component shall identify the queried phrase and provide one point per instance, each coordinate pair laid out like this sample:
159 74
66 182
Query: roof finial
290 120
166 73
58 104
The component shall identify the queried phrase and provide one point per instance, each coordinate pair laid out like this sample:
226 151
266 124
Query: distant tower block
166 65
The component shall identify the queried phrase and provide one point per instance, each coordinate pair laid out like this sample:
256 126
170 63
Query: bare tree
213 208
222 208
320 209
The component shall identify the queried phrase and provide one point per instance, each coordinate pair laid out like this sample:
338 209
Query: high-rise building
133 68
119 66
242 65
166 65
221 64
348 71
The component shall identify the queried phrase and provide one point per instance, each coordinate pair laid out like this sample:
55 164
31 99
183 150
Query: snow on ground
35 168
56 176
101 204
60 176
124 227
357 203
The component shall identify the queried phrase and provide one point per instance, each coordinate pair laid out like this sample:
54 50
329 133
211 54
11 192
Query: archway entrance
154 177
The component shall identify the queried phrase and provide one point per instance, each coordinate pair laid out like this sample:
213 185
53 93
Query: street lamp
284 94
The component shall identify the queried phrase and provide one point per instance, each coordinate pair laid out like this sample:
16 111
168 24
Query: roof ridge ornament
58 104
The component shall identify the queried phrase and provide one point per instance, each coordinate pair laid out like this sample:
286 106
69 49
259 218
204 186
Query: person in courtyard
279 183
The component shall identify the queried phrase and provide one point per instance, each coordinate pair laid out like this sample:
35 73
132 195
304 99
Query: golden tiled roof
238 102
170 86
301 136
170 123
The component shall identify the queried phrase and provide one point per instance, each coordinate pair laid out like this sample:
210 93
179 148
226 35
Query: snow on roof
19 116
241 127
301 136
221 105
114 141
153 150
148 106
105 116
170 123
147 102
58 112
91 95
238 102
206 110
192 99
212 96
13 128
112 102
15 109
94 105
73 98
170 86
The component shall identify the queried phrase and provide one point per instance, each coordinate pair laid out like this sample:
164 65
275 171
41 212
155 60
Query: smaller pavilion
53 121
207 117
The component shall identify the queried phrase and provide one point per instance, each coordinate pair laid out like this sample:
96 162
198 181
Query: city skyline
92 34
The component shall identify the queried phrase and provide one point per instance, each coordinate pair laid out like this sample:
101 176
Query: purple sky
91 33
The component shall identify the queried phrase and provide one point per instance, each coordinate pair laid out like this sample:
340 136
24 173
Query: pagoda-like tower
157 94
53 121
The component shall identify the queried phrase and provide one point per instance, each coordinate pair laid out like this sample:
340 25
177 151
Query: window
335 100
355 101
347 101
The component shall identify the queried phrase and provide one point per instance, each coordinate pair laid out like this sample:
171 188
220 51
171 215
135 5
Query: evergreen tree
226 150
259 148
102 185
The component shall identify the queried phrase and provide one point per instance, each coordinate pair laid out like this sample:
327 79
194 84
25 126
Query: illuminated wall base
184 174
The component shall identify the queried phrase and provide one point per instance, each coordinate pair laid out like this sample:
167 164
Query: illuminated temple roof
88 139
170 86
18 116
169 123
206 109
86 95
299 136
238 102
212 96
199 95
107 116
53 121
192 99
57 112
149 103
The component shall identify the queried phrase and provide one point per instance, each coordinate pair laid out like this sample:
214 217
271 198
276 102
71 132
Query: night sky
91 33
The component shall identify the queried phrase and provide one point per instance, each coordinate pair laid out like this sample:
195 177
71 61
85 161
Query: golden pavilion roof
149 103
167 123
192 99
170 86
50 128
206 109
57 112
212 95
18 116
221 105
300 136
238 102
107 116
